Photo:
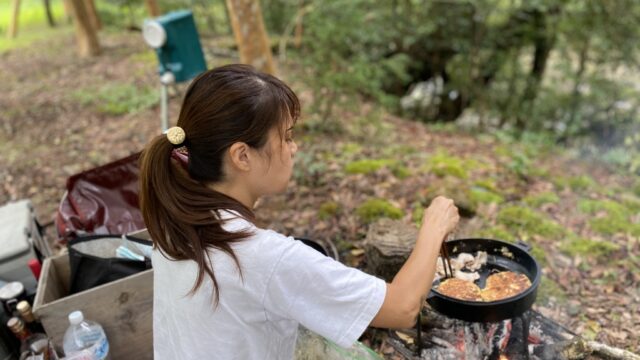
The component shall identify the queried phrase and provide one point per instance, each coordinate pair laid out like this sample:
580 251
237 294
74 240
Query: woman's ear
239 154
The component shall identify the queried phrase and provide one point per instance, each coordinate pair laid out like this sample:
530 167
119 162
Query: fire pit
529 336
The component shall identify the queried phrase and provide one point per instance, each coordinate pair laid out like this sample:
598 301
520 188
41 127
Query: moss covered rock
587 247
366 166
328 210
540 199
374 209
525 221
443 164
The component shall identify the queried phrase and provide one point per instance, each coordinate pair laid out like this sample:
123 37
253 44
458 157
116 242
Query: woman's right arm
406 293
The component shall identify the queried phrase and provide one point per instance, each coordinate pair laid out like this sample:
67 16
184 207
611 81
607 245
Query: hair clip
176 135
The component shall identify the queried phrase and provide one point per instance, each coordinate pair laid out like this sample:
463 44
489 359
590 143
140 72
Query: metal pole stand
166 79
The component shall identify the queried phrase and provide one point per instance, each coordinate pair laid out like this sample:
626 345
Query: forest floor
60 115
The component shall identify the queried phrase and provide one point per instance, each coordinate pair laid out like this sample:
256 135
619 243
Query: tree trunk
86 36
13 25
68 12
94 19
152 7
544 40
387 247
47 10
251 36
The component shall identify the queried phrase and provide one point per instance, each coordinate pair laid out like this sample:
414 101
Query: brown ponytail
233 103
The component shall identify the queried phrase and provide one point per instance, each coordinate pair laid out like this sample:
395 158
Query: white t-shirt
285 283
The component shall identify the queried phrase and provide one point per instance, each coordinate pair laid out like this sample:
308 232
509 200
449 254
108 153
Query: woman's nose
294 148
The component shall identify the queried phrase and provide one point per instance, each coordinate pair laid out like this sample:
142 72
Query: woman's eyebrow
291 128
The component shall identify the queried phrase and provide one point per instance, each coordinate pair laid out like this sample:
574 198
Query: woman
226 289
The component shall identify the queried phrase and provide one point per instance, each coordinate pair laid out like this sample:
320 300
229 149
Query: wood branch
251 36
87 39
13 25
578 349
152 7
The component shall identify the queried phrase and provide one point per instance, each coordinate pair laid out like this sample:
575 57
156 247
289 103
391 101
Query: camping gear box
123 307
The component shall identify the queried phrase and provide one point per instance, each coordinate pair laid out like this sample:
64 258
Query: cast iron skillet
501 256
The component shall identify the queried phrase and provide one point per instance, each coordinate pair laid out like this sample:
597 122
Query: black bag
93 261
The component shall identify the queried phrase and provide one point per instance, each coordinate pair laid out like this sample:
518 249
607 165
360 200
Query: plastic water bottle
84 339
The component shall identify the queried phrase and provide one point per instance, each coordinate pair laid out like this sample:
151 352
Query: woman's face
276 167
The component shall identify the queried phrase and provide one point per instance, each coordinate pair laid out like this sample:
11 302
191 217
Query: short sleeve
325 296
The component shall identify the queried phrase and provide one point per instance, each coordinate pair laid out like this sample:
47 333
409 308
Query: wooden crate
123 307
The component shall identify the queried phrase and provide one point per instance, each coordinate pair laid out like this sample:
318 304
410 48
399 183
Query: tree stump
387 247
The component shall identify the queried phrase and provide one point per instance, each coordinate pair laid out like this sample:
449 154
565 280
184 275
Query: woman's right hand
441 216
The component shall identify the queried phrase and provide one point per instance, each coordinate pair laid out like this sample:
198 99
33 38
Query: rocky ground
60 115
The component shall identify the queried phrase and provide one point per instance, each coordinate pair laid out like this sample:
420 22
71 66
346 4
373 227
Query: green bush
374 209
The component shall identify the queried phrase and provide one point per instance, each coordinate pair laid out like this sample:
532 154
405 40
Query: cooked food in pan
505 284
460 289
499 286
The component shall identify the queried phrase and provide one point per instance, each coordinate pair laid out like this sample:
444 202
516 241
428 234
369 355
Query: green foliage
366 166
549 289
527 222
400 171
587 247
118 99
529 67
346 55
496 232
32 15
592 207
478 195
328 210
616 217
578 183
32 24
309 170
612 225
443 164
540 199
374 209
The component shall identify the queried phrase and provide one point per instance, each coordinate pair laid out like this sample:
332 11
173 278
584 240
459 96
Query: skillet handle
523 245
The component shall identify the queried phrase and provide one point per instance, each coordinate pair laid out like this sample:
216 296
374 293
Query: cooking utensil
502 256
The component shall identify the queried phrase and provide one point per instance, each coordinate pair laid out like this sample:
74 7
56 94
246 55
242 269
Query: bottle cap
76 317
24 309
11 290
23 306
16 325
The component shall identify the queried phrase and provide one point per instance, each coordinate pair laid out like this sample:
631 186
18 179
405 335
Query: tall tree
13 26
152 7
47 10
93 14
86 36
251 36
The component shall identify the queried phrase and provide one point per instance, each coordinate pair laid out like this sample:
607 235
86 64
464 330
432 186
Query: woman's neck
237 192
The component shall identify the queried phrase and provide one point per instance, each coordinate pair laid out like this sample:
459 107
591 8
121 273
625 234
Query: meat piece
504 285
460 289
466 276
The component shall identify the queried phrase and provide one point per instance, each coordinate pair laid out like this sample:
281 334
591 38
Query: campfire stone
387 246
